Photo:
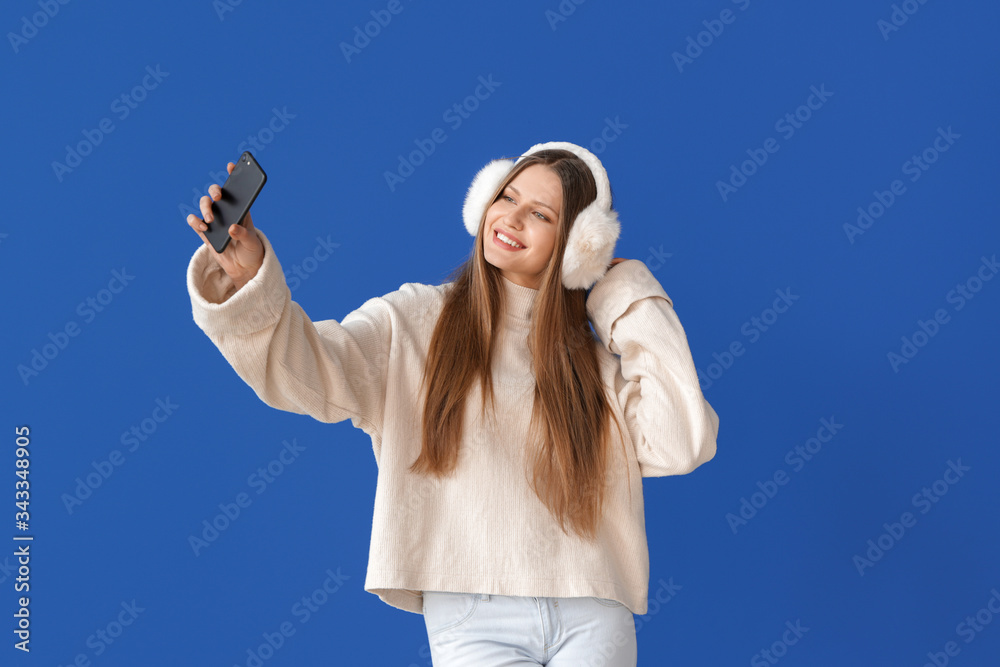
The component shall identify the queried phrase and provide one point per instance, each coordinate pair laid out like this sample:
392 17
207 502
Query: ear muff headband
592 237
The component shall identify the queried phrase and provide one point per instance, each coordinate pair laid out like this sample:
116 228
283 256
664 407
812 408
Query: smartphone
238 194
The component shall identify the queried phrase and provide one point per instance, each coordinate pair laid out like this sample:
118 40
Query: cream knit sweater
481 530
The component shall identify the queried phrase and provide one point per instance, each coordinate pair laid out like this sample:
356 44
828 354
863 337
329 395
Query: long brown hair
570 409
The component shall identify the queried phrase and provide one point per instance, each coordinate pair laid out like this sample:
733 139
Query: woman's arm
329 370
670 422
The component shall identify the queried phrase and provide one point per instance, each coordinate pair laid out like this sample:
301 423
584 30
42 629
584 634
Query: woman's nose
513 219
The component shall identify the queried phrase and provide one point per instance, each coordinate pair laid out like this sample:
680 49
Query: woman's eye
511 199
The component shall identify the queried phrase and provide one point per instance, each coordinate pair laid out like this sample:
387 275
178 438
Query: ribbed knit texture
482 529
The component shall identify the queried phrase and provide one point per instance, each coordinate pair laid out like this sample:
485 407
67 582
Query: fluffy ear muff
590 246
478 198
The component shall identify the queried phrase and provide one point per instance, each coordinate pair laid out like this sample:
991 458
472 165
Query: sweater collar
520 299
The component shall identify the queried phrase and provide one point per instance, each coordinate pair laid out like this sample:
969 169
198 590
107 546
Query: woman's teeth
508 241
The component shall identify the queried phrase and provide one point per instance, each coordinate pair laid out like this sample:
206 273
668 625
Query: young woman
517 529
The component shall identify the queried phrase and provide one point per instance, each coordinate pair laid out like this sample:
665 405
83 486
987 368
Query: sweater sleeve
329 370
669 421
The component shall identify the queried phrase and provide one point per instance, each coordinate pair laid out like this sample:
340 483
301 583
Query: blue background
598 74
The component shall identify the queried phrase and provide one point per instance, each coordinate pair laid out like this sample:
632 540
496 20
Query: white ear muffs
592 237
477 199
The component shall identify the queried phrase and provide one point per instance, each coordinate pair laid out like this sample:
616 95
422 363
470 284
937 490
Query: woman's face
526 212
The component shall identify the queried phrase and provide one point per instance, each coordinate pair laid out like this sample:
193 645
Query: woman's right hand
244 254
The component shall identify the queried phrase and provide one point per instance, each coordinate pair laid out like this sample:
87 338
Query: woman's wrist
246 276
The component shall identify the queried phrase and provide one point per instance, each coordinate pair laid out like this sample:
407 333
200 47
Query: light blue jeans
485 630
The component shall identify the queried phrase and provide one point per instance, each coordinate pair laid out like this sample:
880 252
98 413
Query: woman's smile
503 244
